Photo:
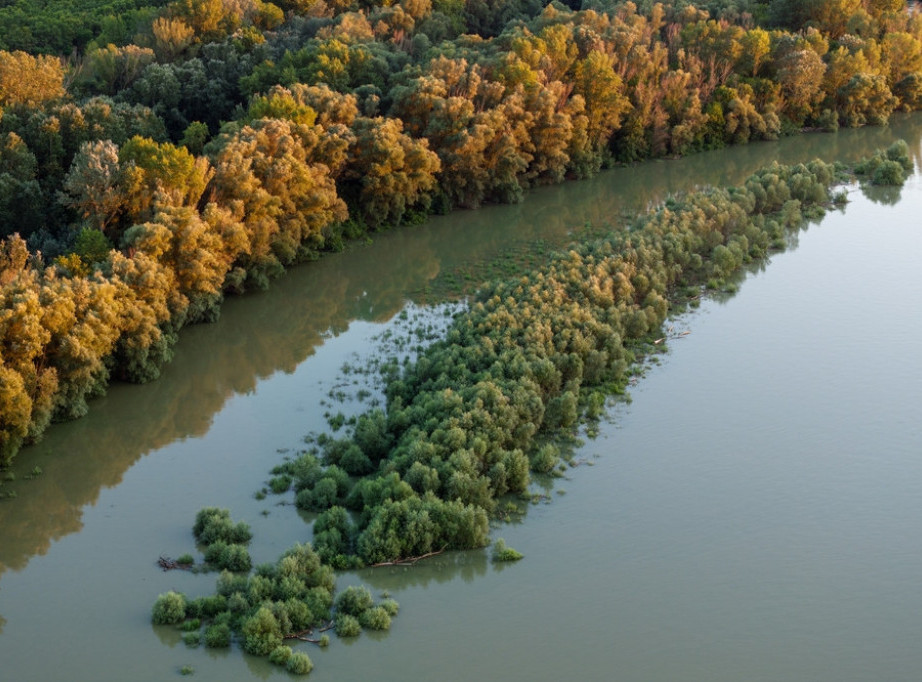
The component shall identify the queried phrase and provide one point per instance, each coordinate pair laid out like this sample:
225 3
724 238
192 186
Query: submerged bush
390 606
218 636
299 663
354 600
261 632
215 525
375 618
347 626
231 557
280 655
170 608
503 553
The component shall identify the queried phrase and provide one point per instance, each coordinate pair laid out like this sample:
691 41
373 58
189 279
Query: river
751 514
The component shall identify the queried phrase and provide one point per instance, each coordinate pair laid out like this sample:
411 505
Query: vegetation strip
479 411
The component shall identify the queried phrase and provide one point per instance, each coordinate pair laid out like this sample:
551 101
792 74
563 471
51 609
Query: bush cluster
224 541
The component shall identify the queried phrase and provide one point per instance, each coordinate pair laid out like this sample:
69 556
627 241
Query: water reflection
260 335
439 569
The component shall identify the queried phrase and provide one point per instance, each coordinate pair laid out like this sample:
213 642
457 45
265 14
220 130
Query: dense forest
156 156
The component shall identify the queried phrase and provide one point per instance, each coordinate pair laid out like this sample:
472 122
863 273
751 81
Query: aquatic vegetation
354 600
213 525
887 166
347 626
375 618
299 663
218 636
170 608
503 553
470 420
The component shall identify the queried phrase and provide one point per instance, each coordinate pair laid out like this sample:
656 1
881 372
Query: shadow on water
262 334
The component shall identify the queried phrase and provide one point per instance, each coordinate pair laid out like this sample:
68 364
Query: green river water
754 513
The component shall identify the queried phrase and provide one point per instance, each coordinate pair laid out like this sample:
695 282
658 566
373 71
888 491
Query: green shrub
218 636
231 557
280 484
299 664
346 625
192 624
888 173
237 603
503 553
261 632
186 560
354 600
390 606
319 600
545 458
169 609
375 618
192 639
229 583
280 655
214 525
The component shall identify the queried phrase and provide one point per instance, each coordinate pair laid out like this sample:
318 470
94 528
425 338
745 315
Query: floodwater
753 514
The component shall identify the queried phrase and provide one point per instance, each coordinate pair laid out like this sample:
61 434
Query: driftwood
409 561
302 635
168 564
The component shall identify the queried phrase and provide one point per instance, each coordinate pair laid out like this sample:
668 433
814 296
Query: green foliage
354 600
280 655
299 663
261 632
214 525
375 618
347 626
503 553
170 608
232 557
192 639
280 484
390 606
218 636
887 166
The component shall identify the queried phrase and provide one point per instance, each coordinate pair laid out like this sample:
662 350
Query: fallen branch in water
168 564
302 636
409 561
